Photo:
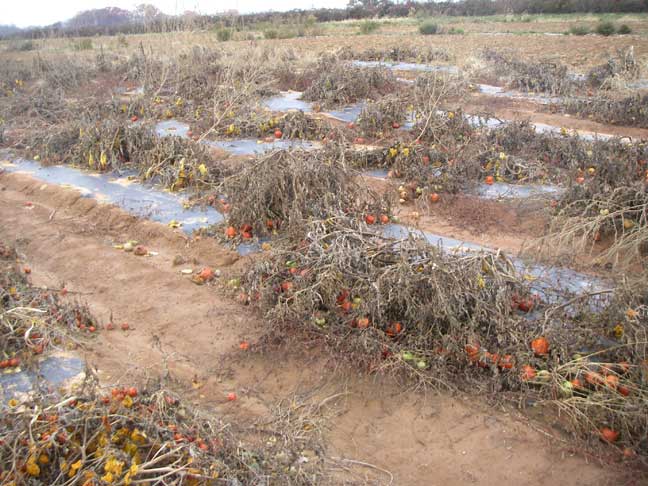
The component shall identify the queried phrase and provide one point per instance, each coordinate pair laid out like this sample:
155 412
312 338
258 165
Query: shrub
606 28
224 35
454 31
27 45
83 45
429 28
271 34
624 29
579 30
122 41
368 27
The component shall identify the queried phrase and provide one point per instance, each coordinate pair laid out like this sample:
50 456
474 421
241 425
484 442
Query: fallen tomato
540 346
528 373
609 435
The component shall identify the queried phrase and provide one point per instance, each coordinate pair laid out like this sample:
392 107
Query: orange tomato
394 329
13 362
528 373
278 133
207 274
490 180
363 323
472 350
580 180
346 306
370 219
27 269
125 326
612 381
434 198
244 346
506 362
609 435
540 346
286 286
230 232
132 392
384 219
593 378
231 396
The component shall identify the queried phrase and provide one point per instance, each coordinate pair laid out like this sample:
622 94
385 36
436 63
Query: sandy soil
519 109
192 334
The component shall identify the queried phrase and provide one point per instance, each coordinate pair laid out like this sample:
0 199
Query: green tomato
407 356
566 388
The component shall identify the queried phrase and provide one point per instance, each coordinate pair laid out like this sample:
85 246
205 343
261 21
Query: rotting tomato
342 296
593 378
394 329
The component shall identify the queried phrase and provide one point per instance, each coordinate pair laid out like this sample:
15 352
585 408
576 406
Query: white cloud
25 13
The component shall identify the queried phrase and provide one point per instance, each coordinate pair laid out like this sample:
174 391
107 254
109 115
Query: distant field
532 36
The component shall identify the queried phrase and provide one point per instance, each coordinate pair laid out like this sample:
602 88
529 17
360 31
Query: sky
24 13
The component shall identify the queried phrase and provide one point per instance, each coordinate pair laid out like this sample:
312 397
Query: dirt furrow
194 332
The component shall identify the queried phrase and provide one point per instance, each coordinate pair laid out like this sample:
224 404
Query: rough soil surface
376 429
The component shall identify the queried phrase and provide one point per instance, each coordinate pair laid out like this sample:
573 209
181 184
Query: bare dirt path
409 438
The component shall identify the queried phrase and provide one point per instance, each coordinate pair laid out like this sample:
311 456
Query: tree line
147 18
